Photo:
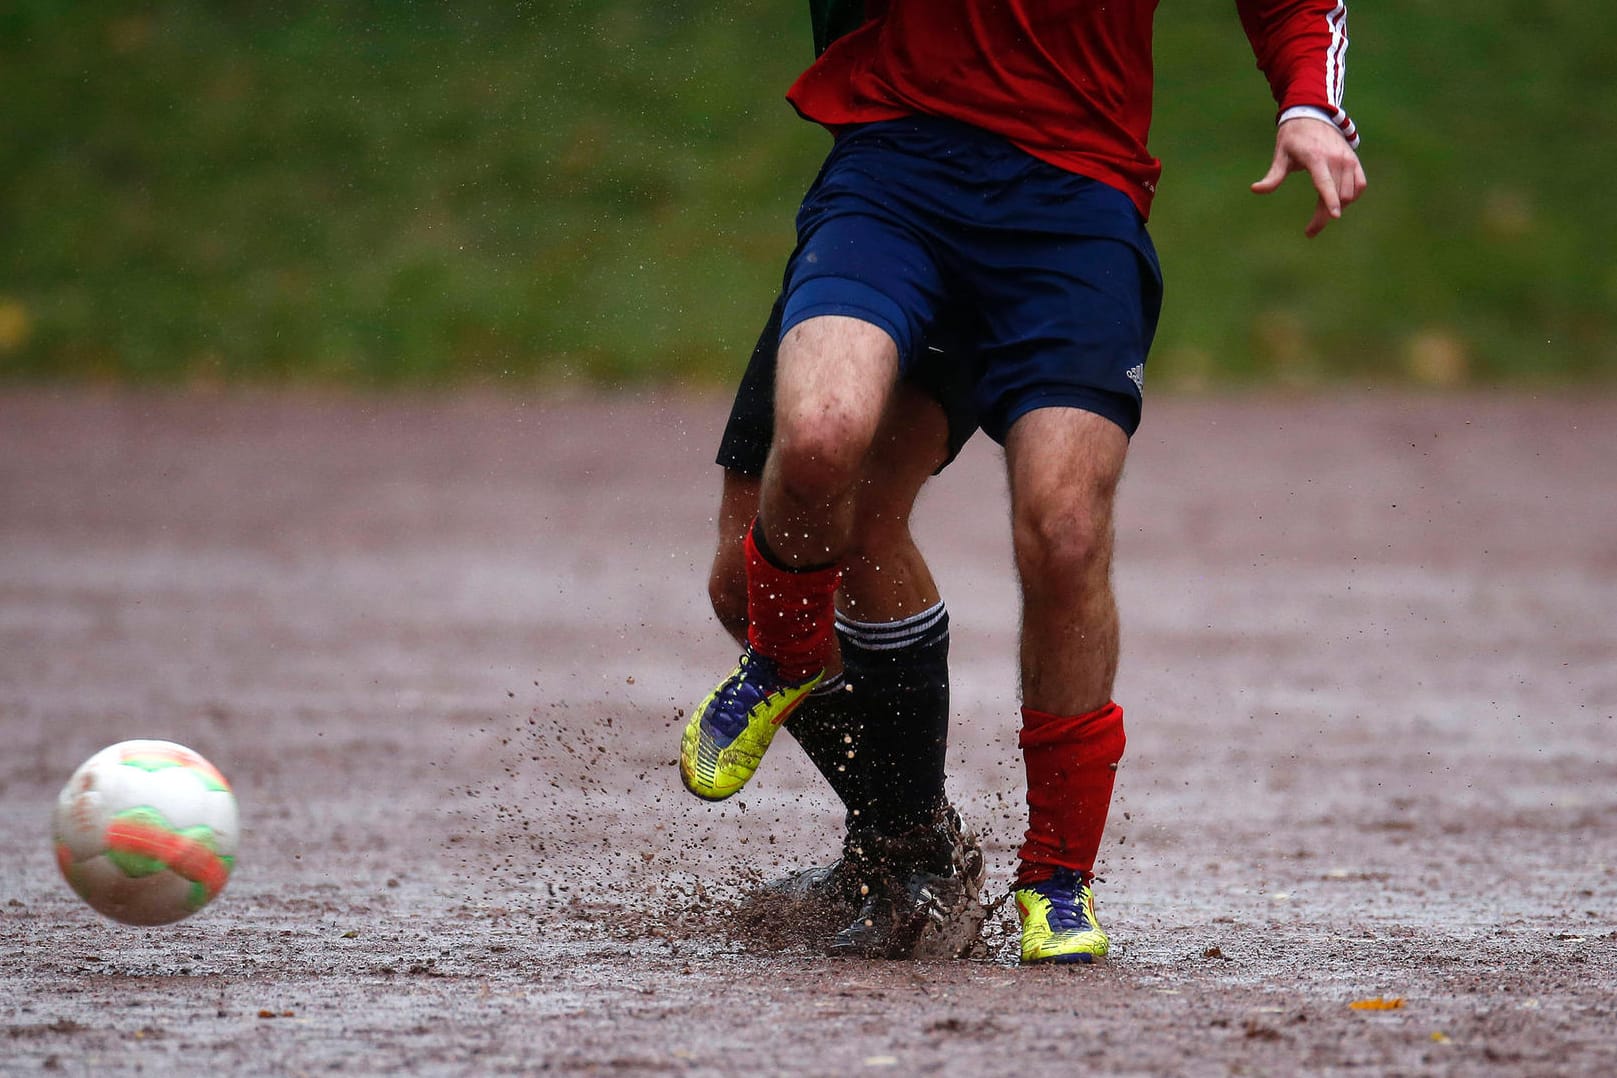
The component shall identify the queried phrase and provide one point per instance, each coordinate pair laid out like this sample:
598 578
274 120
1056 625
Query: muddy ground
440 646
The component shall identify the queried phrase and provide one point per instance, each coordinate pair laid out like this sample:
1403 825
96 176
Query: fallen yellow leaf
1379 1003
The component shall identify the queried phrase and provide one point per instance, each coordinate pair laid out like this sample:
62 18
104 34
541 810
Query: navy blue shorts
947 376
913 218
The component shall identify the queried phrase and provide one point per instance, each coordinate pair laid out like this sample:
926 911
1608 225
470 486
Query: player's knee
820 460
1066 542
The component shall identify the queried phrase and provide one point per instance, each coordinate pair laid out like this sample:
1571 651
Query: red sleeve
1301 45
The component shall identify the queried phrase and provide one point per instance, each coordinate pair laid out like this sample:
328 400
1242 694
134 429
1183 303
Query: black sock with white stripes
827 728
898 690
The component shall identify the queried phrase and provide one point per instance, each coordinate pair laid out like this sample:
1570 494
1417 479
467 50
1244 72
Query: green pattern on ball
137 866
156 762
80 885
197 896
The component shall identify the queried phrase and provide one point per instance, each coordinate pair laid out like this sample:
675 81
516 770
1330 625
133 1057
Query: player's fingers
1278 168
1347 186
1350 181
1322 217
1325 183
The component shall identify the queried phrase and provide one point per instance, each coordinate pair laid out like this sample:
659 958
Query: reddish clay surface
440 647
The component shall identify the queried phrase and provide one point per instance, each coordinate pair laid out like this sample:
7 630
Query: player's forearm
1301 47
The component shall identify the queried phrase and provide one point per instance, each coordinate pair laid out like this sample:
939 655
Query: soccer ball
146 832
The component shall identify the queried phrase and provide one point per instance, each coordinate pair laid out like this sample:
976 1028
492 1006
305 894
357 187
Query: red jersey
1069 81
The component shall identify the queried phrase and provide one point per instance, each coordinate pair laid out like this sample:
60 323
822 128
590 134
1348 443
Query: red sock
1071 765
791 613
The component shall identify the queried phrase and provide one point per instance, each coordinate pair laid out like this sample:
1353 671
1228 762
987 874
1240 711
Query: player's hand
1304 144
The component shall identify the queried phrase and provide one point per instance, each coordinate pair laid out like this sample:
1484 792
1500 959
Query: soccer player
991 156
910 876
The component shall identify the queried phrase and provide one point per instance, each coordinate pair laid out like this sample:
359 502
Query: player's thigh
862 287
862 248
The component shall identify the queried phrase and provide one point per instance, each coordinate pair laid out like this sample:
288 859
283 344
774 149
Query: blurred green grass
414 194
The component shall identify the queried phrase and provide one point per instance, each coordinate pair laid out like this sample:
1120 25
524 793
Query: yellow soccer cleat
730 731
1058 921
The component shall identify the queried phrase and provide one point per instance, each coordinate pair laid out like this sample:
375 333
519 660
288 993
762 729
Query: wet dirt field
440 648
